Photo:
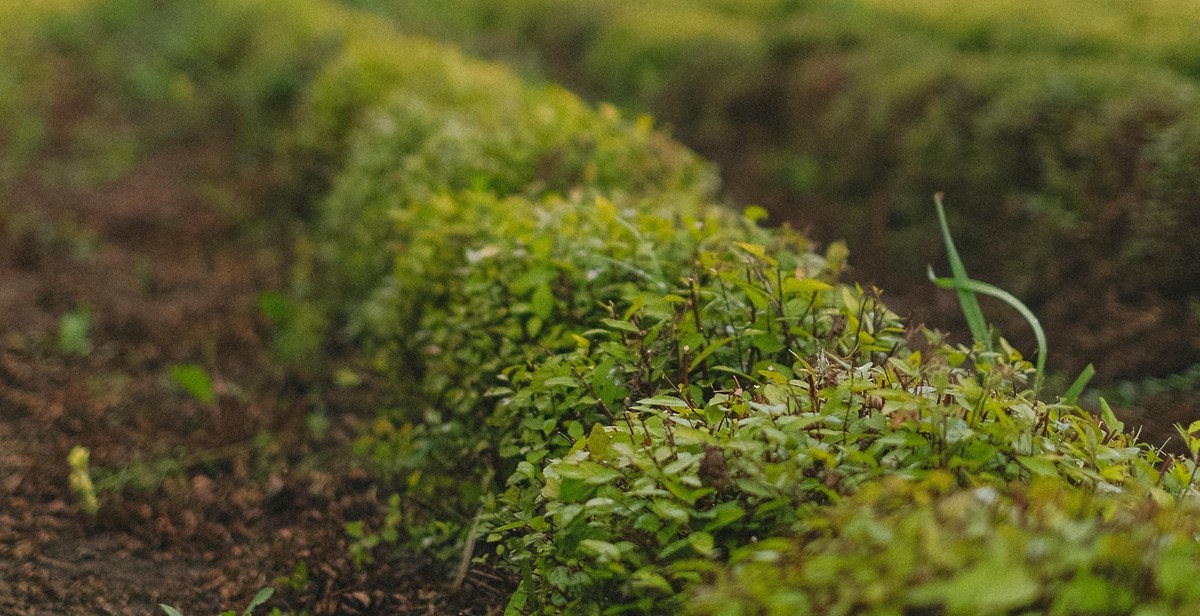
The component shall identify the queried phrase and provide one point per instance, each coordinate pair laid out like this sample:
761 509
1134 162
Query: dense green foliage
1061 130
630 391
592 376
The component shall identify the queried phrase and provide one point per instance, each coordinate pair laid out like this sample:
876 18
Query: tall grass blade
975 286
1076 388
966 299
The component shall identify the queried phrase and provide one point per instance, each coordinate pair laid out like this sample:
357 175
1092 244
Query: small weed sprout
81 480
262 597
195 381
74 332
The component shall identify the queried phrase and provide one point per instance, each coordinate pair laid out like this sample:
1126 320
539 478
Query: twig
468 549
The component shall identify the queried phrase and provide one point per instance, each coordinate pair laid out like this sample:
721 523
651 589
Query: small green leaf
753 249
702 542
755 213
621 325
276 306
724 515
588 472
262 597
1039 466
804 286
649 580
561 381
666 401
1081 382
602 550
709 350
516 603
542 301
195 381
74 332
670 510
169 610
597 442
572 490
1115 426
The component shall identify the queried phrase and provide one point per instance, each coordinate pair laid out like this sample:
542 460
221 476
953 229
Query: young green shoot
967 288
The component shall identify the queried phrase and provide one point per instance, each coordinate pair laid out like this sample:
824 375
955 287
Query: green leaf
702 542
1039 466
649 580
755 213
670 510
754 249
602 550
572 490
666 401
542 302
724 515
276 306
262 597
597 442
169 610
621 325
804 286
561 381
74 329
588 472
516 603
1076 388
195 381
1115 426
709 350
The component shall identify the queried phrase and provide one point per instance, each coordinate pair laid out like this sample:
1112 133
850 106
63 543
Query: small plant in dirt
80 479
194 380
259 599
74 332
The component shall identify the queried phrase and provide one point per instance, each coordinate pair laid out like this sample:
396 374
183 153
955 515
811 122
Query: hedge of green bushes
640 401
644 403
634 400
1058 129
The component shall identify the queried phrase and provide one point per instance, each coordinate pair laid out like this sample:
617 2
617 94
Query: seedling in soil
81 480
259 599
195 381
74 332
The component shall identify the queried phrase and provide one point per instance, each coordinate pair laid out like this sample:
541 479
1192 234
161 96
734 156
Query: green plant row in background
633 399
1065 131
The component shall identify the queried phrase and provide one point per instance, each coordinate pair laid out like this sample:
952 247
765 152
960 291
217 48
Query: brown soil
169 260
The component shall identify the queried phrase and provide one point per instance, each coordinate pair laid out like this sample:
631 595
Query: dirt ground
167 261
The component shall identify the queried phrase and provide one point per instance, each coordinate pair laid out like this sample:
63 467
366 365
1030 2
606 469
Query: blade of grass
1076 388
976 286
966 299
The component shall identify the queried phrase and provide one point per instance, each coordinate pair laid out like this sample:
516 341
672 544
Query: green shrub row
639 400
1060 130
